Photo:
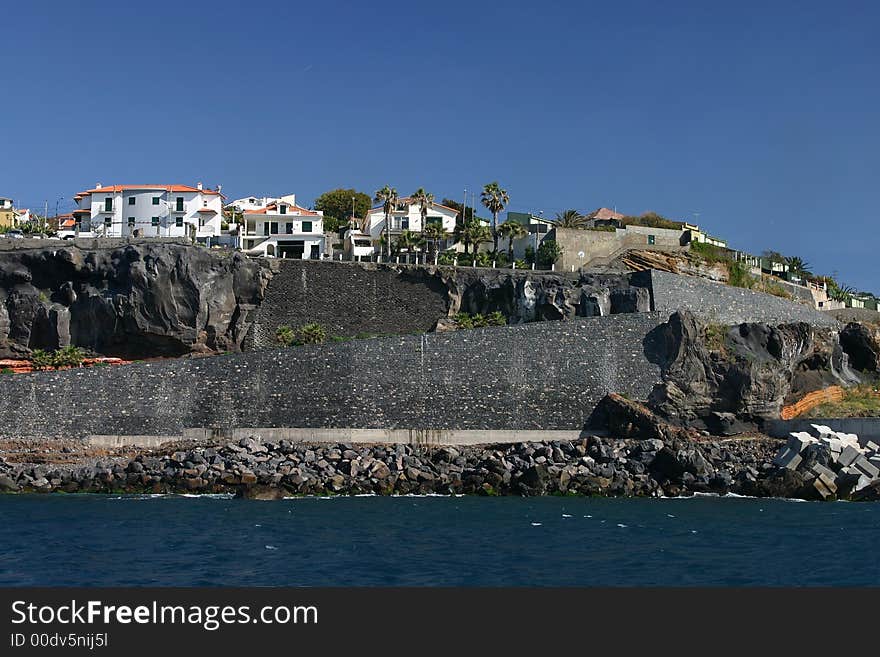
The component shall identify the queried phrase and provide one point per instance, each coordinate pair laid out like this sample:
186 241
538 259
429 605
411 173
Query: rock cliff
137 300
715 376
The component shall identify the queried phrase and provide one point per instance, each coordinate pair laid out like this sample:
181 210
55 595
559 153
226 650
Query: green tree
408 241
285 335
548 253
425 201
494 199
336 205
512 230
389 198
570 219
435 233
473 233
798 266
840 293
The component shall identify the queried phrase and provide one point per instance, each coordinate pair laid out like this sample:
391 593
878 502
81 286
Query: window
282 209
130 222
404 223
273 227
265 228
155 200
108 222
178 221
154 221
435 221
201 221
179 207
108 204
131 200
290 228
307 227
651 239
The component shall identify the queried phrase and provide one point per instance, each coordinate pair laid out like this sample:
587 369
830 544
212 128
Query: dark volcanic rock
744 372
862 344
136 300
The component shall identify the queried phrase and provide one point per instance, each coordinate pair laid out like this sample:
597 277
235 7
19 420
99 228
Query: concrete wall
867 428
717 302
493 378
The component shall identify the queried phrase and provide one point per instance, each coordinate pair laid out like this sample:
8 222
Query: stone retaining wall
544 375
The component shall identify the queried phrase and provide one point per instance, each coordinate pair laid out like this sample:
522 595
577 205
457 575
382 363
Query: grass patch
861 401
716 338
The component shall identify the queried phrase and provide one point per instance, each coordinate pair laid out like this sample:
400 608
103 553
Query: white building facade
149 211
251 203
283 230
408 216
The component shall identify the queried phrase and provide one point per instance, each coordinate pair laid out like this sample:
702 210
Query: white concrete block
866 467
823 430
848 456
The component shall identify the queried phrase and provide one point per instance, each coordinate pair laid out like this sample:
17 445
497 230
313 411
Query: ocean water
93 540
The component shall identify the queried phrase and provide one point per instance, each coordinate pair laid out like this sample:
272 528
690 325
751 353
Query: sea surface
95 540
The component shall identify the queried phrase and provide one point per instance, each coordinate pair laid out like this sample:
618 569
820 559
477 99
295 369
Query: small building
356 244
694 234
149 211
283 230
23 216
7 213
605 217
538 228
408 216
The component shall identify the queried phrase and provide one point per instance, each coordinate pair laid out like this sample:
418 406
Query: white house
23 216
149 211
283 230
357 244
249 203
407 216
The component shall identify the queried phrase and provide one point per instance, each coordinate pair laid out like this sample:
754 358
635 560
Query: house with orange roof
283 229
149 211
408 216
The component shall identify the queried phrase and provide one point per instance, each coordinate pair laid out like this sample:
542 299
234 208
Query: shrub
777 290
496 319
548 253
68 356
446 258
480 321
41 359
603 229
530 255
285 335
739 276
521 264
483 259
43 297
716 337
312 334
464 321
7 370
709 253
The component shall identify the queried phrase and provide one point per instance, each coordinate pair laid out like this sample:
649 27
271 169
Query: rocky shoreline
595 466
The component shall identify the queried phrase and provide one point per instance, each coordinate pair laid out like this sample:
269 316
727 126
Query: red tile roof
408 200
207 210
112 189
606 213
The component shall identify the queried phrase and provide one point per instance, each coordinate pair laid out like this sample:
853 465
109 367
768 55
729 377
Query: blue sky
759 116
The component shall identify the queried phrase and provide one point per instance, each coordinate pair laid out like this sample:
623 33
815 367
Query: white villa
250 203
408 216
283 229
149 211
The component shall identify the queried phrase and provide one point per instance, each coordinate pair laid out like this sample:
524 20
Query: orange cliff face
22 366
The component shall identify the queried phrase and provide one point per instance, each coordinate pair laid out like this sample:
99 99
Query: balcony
103 209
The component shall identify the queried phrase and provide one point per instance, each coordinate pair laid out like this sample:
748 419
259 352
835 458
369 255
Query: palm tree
840 293
798 266
495 200
513 230
435 233
425 201
570 219
408 241
388 197
478 234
